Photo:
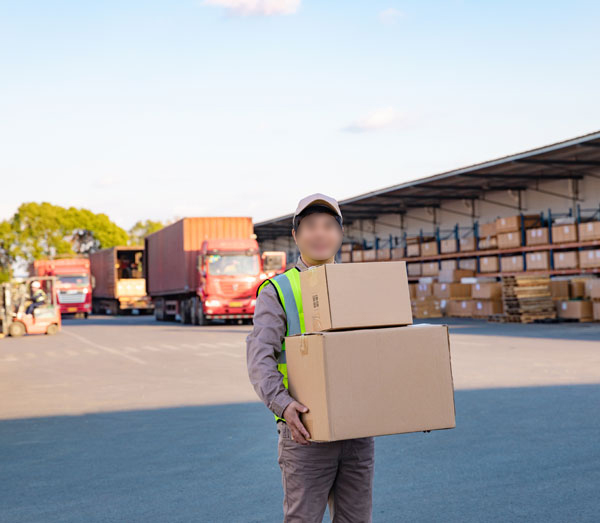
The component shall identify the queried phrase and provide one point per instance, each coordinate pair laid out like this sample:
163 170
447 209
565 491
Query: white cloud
257 7
390 16
378 119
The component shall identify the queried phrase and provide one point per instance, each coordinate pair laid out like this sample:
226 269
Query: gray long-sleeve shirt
263 345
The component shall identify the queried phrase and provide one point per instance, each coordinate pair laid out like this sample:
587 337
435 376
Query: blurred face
319 236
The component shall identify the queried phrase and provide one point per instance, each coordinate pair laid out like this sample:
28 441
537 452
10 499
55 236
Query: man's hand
290 414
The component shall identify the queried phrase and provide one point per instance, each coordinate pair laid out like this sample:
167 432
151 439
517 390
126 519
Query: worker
38 297
314 474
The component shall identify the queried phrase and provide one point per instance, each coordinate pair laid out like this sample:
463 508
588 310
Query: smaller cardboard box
424 290
452 290
564 233
424 308
592 289
346 257
468 263
413 249
460 308
574 309
350 296
397 253
537 236
488 264
508 240
372 382
487 229
369 255
429 249
412 288
454 275
446 265
430 268
489 242
565 260
486 307
467 244
576 288
486 290
414 269
449 245
511 263
513 223
596 310
357 256
559 289
537 261
589 258
589 231
383 254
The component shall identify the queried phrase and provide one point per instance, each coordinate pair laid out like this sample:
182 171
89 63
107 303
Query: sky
165 109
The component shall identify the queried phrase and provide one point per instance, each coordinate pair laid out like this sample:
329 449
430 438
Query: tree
7 248
141 229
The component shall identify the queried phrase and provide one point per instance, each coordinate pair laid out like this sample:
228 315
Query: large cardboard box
413 249
452 290
511 263
487 229
460 308
449 245
369 255
538 236
596 310
397 253
424 290
384 253
487 290
489 242
429 249
446 265
372 382
467 263
565 260
513 223
574 309
357 256
426 307
350 296
414 269
559 289
430 268
564 233
589 231
538 261
486 307
508 240
488 264
592 289
346 257
467 244
454 275
589 258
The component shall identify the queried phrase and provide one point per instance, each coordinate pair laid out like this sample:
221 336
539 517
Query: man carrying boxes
341 334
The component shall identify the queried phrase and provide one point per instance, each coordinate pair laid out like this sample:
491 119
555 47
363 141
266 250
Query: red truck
119 284
203 269
73 286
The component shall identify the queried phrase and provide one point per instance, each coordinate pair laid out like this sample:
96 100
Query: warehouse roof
570 159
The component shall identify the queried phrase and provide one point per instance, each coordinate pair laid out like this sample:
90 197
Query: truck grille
71 297
237 289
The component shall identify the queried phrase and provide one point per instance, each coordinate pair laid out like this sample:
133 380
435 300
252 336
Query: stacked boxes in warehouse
522 268
360 366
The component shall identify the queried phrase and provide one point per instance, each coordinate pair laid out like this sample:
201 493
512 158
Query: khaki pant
338 473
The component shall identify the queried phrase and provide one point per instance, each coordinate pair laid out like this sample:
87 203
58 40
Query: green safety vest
287 285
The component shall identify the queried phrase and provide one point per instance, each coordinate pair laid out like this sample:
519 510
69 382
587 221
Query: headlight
252 303
212 303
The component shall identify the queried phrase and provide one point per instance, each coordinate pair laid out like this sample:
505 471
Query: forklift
15 297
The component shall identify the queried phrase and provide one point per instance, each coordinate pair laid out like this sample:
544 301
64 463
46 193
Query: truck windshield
74 279
223 265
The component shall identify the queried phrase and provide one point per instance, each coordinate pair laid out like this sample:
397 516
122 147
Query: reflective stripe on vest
287 286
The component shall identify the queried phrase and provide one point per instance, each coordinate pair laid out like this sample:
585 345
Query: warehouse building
532 213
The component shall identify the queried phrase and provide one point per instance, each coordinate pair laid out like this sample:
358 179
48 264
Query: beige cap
318 198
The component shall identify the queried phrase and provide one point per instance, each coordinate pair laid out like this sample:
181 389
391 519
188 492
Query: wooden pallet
526 299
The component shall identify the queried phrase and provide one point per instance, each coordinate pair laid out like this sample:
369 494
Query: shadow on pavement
521 454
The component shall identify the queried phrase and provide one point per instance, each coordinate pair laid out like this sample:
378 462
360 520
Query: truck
119 283
73 286
203 269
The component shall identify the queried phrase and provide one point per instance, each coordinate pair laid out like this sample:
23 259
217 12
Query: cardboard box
538 261
413 249
357 256
346 247
565 260
467 244
538 236
508 240
414 269
489 242
460 308
424 290
486 290
468 263
564 233
592 289
452 290
449 245
511 263
487 229
488 264
589 231
576 289
372 382
426 307
589 258
559 289
513 223
369 255
486 307
596 310
346 257
430 268
454 275
429 249
412 289
573 310
349 296
384 254
446 265
397 253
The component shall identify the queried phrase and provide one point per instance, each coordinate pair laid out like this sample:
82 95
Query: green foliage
142 229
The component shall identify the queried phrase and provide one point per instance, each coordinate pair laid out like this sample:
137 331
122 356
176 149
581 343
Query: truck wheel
200 318
52 329
16 329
